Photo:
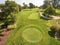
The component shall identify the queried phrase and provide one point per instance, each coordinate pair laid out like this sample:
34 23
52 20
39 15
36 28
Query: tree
31 5
2 14
44 6
20 8
11 7
49 11
36 6
2 6
25 6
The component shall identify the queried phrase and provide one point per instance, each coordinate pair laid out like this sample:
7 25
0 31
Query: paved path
4 38
54 17
44 16
6 35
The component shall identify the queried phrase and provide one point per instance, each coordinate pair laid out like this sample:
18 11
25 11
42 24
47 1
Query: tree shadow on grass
51 33
44 18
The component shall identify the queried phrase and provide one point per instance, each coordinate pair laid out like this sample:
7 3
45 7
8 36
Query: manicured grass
32 35
58 11
31 28
33 16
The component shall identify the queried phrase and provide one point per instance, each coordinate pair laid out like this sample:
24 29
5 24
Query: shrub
55 29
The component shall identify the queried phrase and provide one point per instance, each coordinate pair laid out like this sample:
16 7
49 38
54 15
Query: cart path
4 38
54 17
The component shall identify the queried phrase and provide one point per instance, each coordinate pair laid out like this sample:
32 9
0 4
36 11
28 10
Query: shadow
51 33
1 34
44 18
9 29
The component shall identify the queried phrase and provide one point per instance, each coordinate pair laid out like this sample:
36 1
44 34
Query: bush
55 29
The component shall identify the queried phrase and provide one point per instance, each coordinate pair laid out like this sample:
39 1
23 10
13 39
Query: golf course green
32 35
31 30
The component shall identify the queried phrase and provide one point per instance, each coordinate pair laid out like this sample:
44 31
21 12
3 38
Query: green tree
49 11
2 6
2 14
20 7
31 5
25 6
11 7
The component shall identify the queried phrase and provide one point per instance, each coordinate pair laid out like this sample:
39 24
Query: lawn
58 11
31 30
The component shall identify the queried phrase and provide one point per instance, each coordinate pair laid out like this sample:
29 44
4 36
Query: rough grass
23 22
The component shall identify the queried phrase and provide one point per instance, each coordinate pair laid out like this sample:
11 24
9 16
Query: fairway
31 30
33 16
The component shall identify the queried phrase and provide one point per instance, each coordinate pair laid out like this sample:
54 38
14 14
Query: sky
35 2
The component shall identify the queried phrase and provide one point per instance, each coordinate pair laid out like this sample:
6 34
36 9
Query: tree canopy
11 7
31 5
50 10
25 6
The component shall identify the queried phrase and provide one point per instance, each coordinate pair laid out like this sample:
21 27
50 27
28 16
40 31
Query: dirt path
4 38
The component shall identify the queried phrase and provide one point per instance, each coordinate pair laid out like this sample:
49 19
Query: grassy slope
23 19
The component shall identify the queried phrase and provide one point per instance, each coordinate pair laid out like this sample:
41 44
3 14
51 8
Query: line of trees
31 5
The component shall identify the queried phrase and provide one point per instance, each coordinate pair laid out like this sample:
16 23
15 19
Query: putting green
32 35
